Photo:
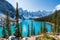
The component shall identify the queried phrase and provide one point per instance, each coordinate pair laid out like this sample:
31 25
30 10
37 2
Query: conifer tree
18 28
55 19
41 28
7 24
44 28
4 32
34 30
57 24
28 31
51 24
21 30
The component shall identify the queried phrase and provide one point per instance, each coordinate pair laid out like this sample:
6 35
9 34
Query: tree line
54 19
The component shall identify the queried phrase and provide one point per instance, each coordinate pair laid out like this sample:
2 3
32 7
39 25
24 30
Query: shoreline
50 23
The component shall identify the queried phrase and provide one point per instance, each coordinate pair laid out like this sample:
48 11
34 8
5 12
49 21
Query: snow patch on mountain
24 14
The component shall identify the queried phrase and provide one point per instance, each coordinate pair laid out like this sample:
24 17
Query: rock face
4 5
2 19
24 14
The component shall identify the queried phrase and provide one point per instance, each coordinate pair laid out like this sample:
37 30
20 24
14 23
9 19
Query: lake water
25 24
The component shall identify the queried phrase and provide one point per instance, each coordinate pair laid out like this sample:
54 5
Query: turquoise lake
25 24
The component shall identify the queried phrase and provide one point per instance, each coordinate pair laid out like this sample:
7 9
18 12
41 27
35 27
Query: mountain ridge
32 15
51 18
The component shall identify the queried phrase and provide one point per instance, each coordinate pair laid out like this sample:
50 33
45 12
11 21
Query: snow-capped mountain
24 14
3 19
4 6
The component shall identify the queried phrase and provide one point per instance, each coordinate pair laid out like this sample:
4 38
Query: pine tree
21 30
57 24
34 30
51 24
18 28
7 24
4 32
28 31
55 19
41 28
44 28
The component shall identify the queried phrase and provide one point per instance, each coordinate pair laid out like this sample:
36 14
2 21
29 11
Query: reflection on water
31 23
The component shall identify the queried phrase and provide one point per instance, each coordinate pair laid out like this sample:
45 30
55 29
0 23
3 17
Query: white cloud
58 7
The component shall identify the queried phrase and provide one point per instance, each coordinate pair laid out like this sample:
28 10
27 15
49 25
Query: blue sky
35 5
